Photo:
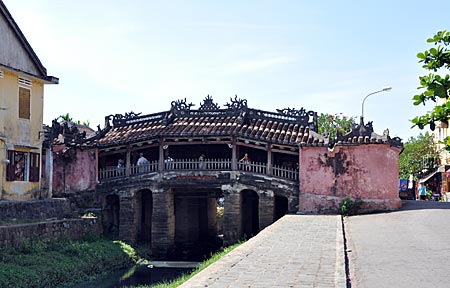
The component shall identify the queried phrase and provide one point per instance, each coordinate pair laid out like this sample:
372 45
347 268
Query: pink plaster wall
367 172
78 174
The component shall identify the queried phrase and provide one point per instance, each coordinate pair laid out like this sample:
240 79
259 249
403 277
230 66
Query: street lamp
362 105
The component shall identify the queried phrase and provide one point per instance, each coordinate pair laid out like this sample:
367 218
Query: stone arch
249 203
144 215
111 215
281 207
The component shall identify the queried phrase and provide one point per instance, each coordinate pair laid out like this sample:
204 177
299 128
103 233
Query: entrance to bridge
111 215
249 213
196 225
145 212
281 207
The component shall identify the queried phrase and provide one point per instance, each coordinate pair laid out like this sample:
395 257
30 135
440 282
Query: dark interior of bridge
198 218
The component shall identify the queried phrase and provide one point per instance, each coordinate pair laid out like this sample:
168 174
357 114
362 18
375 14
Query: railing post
128 162
161 156
233 155
96 168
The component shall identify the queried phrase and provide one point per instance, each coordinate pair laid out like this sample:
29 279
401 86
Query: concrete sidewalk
405 248
295 251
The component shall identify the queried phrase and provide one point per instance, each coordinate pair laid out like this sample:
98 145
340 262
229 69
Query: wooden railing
195 164
115 172
284 172
254 167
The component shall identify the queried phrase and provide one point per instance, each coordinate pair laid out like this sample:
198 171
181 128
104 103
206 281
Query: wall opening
111 215
196 227
145 213
249 213
281 207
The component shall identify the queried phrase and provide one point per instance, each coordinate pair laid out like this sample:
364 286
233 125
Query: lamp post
364 100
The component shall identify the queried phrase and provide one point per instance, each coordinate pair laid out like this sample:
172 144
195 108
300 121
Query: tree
418 157
335 123
435 86
66 117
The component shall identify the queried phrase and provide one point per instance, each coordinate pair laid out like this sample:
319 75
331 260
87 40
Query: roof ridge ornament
180 107
208 104
307 118
237 104
119 119
293 112
365 130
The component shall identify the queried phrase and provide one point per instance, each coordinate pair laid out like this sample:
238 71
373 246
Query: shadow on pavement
419 205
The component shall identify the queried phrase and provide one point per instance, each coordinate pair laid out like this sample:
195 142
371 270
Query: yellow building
440 133
22 79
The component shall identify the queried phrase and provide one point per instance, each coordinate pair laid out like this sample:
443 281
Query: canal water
138 275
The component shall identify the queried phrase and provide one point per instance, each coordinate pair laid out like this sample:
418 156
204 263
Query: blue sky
121 56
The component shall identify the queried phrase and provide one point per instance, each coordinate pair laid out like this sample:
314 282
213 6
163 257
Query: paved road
406 248
296 251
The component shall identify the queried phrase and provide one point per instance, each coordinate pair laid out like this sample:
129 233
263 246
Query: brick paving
296 251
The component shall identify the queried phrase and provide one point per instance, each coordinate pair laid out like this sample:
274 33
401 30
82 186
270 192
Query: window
24 103
24 81
23 166
34 167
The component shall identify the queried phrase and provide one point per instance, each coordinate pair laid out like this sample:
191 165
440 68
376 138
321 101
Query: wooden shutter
34 167
445 180
10 167
24 103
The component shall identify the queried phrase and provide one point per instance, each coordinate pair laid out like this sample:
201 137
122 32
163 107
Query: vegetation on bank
61 263
350 207
65 263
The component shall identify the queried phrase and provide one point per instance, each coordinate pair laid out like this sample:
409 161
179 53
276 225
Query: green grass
64 263
61 263
177 282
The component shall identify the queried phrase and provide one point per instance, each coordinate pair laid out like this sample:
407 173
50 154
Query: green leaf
436 84
418 100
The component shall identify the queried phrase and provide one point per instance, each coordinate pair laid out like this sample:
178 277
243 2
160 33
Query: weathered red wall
75 173
368 172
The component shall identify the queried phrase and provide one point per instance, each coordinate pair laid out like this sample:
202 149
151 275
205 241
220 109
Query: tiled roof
285 127
363 134
267 130
292 127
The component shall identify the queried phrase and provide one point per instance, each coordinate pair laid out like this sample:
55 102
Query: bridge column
233 155
163 223
211 207
127 223
161 156
269 160
231 216
128 161
266 209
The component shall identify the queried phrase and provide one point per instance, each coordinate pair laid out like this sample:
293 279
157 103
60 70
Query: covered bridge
168 177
